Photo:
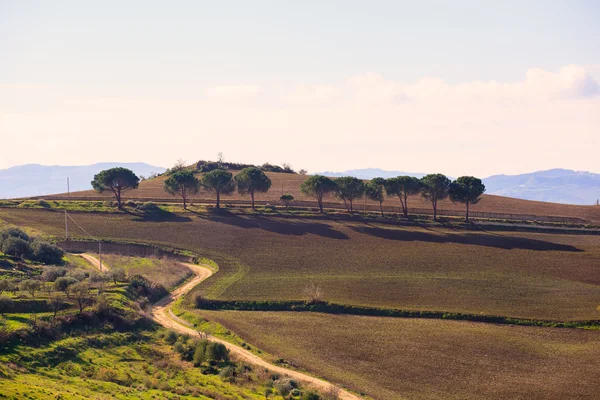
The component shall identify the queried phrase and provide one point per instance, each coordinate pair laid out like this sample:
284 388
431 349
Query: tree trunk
184 203
405 207
252 196
320 201
118 196
218 199
381 207
434 204
467 215
351 208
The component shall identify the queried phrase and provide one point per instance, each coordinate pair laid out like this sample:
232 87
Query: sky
458 87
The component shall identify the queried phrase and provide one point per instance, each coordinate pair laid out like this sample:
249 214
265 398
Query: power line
86 232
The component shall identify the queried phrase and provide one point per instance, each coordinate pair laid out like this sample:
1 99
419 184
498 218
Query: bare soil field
519 274
395 358
290 183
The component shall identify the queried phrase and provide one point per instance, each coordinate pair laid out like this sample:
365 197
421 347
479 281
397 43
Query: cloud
233 91
312 95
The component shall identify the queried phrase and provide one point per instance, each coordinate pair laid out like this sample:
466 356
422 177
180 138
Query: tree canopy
251 181
402 187
374 190
317 186
466 190
434 187
182 183
117 180
348 189
220 182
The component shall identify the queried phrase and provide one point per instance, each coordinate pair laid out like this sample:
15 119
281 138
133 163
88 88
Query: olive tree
81 293
402 187
434 187
317 186
374 191
118 180
31 286
252 180
466 190
220 182
182 183
348 189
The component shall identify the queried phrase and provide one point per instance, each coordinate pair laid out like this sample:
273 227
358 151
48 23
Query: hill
35 180
554 185
152 189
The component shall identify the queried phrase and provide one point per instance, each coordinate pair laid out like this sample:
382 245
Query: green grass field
518 274
396 358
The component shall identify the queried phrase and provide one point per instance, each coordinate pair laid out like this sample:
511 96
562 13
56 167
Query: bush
16 246
171 337
46 253
142 287
13 232
285 385
311 395
148 206
51 275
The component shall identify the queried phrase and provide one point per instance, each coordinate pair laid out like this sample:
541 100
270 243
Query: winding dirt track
161 314
94 261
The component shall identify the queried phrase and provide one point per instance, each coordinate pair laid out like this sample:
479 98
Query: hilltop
152 190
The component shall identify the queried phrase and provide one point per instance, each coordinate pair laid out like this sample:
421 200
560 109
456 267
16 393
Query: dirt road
94 261
160 313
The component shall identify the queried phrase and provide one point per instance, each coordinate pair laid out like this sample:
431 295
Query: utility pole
68 188
66 226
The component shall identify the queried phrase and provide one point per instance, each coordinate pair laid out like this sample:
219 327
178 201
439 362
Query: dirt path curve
94 261
161 311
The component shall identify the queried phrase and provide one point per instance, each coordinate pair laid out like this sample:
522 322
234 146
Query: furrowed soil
396 358
290 183
518 274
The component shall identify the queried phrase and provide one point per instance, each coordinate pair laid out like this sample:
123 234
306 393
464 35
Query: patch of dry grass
396 358
165 271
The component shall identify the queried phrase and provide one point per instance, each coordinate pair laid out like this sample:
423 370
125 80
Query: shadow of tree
475 239
283 227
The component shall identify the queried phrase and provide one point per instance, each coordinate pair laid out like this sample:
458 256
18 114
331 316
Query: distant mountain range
36 180
554 185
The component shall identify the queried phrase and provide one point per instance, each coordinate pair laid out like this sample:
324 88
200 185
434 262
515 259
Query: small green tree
118 180
182 183
81 293
434 187
117 275
252 180
220 182
374 191
286 199
31 286
55 302
466 190
63 283
15 246
5 285
402 187
317 186
348 189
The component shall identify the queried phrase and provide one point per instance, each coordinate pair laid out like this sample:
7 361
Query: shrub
43 203
13 232
16 246
51 275
171 337
295 392
200 353
285 385
46 253
6 304
148 206
311 395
